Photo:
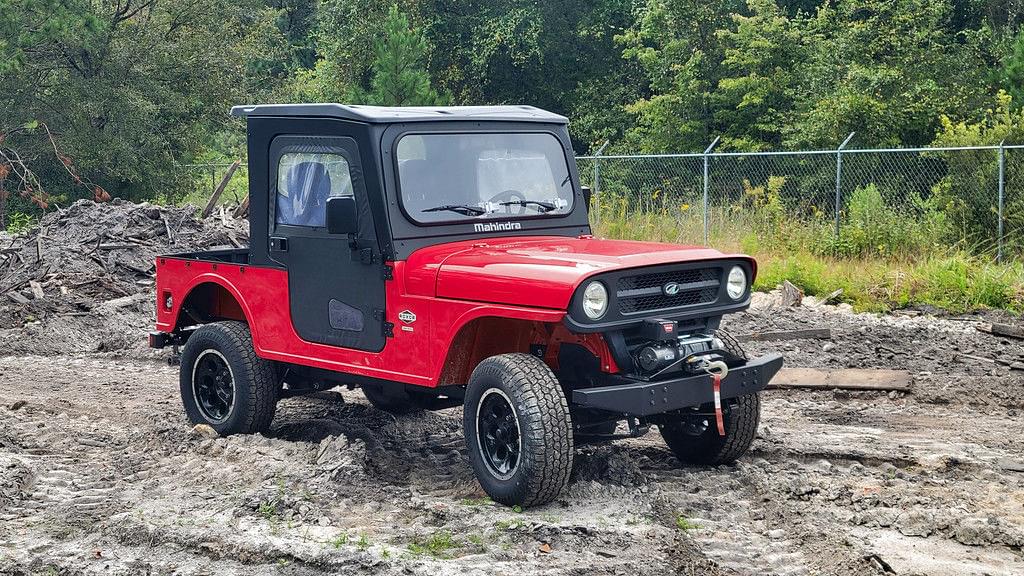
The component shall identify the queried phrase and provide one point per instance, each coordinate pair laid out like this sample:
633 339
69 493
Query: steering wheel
510 196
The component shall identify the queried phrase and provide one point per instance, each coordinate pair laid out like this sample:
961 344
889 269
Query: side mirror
341 215
586 196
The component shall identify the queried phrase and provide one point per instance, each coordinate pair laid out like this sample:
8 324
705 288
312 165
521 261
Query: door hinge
387 273
387 328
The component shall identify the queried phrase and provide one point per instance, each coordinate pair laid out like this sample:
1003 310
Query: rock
916 523
18 404
791 294
324 521
204 431
828 347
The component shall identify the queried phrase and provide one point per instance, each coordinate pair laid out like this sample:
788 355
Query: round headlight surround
736 284
595 300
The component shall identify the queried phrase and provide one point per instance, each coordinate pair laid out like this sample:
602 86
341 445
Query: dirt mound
82 280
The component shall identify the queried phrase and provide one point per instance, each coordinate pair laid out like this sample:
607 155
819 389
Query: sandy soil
101 474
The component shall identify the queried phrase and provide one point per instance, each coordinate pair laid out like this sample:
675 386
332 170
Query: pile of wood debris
79 257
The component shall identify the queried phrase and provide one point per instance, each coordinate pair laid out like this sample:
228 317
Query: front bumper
638 398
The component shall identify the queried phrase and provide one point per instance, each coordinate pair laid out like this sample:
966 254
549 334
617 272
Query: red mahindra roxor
437 257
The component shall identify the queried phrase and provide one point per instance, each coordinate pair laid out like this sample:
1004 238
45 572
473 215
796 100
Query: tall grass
883 259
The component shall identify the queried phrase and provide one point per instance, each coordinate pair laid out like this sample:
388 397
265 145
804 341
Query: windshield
466 176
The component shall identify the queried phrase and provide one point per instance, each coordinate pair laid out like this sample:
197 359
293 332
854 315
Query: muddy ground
101 474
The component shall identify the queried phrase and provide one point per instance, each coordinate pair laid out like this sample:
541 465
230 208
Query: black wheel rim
213 386
498 434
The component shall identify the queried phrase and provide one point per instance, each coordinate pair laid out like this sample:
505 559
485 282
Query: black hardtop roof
388 114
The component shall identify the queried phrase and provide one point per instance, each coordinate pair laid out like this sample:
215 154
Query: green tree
400 77
886 69
129 90
755 98
676 44
1009 76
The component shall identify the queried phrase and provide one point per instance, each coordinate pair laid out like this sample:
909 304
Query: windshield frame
528 214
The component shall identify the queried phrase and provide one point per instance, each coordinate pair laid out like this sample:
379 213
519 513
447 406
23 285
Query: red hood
536 271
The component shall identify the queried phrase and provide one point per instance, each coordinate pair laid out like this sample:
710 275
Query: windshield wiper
464 209
542 206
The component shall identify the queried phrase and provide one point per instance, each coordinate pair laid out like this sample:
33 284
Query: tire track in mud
722 512
72 477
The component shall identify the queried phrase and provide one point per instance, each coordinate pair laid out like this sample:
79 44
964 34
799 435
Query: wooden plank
243 209
1008 330
17 297
847 379
810 333
220 188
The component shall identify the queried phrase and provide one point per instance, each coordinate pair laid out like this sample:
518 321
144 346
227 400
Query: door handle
278 244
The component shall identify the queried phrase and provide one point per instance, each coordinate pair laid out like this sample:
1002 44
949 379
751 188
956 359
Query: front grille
645 292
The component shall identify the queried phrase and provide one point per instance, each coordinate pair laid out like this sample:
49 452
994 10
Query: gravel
100 473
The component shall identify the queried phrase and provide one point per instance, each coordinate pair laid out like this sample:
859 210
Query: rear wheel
694 439
223 383
518 430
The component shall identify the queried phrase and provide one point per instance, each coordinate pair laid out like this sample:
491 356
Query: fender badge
407 316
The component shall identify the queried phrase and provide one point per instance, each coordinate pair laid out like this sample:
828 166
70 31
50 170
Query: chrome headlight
737 284
595 300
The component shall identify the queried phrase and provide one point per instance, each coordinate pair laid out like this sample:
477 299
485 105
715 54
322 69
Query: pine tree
399 75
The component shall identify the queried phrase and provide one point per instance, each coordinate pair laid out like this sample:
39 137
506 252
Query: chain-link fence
844 202
205 178
851 202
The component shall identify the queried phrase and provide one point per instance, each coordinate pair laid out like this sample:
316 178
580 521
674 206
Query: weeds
340 540
19 222
683 523
437 545
883 259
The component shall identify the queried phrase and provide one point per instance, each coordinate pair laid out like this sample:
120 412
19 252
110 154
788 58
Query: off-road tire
395 400
709 448
254 379
731 344
544 427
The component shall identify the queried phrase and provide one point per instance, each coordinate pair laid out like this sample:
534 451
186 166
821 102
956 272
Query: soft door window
304 183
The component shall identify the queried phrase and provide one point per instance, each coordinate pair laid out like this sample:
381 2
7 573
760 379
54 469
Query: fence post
999 210
597 181
839 179
213 179
707 200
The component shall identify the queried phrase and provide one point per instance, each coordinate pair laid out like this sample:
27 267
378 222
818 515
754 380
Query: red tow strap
716 382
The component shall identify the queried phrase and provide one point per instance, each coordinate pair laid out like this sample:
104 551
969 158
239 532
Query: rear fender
210 299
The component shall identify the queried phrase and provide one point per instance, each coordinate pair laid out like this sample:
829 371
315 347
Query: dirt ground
101 474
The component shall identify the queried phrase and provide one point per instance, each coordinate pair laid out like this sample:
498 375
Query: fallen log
1008 330
809 333
846 379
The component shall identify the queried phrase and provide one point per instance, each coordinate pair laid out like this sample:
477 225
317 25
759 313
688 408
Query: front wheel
518 430
694 439
223 383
